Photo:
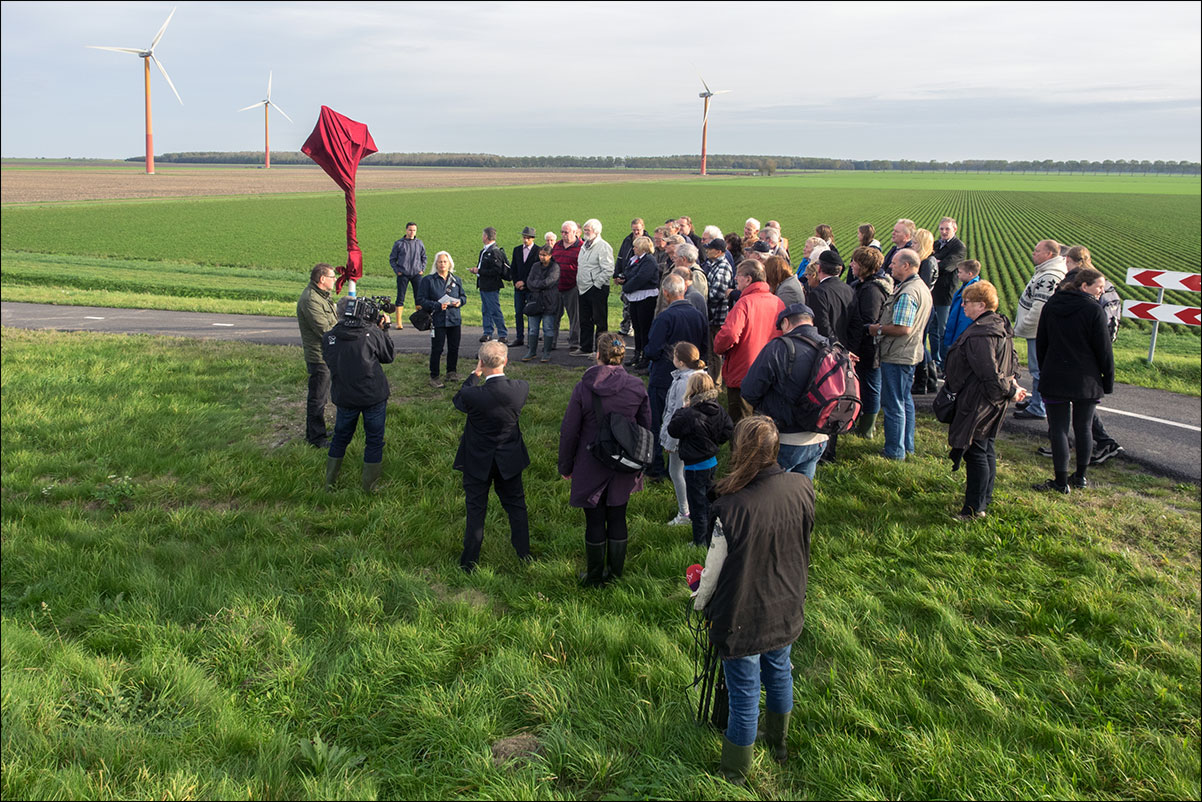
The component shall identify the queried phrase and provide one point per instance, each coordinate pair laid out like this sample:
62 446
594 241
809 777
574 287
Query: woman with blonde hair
926 375
701 426
809 253
753 588
688 361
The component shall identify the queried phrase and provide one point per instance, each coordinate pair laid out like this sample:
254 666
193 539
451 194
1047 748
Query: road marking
92 317
223 324
1150 418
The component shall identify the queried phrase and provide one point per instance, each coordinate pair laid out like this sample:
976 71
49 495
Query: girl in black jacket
701 426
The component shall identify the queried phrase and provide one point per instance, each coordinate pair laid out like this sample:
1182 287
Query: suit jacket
831 301
492 434
949 255
521 269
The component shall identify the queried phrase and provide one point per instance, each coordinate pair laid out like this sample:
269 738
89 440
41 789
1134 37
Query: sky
942 80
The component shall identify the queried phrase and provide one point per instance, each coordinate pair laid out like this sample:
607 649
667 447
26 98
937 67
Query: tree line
715 162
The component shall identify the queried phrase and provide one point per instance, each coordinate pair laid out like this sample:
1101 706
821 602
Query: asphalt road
1161 431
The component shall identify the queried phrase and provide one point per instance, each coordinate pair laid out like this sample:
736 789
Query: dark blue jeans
697 486
373 431
403 283
935 329
659 399
493 318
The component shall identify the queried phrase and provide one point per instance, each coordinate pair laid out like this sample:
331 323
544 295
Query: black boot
616 552
594 576
634 360
920 380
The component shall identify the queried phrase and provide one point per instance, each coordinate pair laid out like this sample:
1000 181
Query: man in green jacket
315 315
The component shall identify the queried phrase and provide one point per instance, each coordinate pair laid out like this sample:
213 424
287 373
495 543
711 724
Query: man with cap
831 300
525 256
776 382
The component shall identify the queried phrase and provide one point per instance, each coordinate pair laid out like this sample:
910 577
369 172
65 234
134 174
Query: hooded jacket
957 321
1073 346
619 392
980 368
700 430
1043 283
354 352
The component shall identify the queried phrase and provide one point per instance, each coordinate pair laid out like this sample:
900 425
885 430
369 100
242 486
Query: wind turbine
147 56
707 94
266 138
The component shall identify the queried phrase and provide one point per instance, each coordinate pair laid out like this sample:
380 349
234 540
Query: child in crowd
969 272
701 426
687 360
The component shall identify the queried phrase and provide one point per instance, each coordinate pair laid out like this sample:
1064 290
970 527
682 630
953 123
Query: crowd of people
715 312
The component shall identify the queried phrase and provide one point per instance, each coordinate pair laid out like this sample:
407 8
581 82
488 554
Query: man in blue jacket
679 321
408 260
969 272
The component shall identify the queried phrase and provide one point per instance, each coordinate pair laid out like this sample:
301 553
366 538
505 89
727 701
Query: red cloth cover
337 144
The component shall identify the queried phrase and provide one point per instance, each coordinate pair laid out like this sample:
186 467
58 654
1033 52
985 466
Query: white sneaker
680 520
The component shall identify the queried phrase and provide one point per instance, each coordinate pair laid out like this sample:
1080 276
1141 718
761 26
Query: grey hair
907 256
571 223
493 354
752 221
771 234
594 224
673 286
688 252
710 233
434 262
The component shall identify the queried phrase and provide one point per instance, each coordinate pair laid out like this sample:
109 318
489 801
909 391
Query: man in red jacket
750 324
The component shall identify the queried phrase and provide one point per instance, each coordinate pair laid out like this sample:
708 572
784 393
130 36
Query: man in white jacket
594 272
1049 272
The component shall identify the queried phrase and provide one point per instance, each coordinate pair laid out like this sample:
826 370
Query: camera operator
354 350
315 315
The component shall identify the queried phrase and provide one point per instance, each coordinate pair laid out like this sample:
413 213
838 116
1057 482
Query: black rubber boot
736 762
595 554
920 380
371 475
776 730
333 466
616 553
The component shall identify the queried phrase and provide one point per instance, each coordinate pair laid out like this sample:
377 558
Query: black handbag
422 320
944 405
621 444
533 308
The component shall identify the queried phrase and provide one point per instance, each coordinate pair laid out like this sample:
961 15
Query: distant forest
717 162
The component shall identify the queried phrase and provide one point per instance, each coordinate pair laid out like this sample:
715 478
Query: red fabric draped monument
338 144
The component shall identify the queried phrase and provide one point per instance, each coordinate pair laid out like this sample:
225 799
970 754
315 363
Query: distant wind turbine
266 137
147 56
707 94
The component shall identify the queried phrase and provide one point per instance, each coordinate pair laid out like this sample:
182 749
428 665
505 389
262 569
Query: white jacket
595 265
1048 276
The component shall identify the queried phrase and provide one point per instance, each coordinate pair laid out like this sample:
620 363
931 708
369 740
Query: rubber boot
776 730
920 380
595 554
371 475
333 466
548 346
616 552
866 426
736 762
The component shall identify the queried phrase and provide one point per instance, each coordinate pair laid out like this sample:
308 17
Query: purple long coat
620 392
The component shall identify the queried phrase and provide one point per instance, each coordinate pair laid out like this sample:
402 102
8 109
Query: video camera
369 309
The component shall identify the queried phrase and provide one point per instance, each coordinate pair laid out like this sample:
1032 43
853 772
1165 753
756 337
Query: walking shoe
503 340
680 520
518 341
436 383
1022 405
626 331
1053 485
1078 481
1044 451
452 376
1105 452
583 354
1023 414
968 514
485 338
574 350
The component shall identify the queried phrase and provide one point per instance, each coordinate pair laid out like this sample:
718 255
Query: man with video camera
354 350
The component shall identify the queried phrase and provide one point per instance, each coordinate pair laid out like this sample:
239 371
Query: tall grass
186 614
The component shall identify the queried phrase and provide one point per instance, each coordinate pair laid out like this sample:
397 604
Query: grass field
184 610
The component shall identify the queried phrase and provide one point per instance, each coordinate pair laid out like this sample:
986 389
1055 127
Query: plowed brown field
58 184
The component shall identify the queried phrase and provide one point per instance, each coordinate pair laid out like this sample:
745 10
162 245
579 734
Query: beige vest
906 350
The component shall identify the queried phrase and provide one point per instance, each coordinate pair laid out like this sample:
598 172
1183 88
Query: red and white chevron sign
1164 279
1165 313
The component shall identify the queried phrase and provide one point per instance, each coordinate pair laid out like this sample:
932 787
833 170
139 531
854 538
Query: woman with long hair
872 289
782 282
753 588
440 283
926 374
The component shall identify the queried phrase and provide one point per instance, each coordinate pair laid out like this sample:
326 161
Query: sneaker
968 514
1052 485
1044 451
485 338
585 355
452 376
626 331
1023 414
1021 405
1104 452
574 350
436 383
680 520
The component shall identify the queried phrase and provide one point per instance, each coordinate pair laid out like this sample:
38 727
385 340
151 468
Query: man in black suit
950 252
831 301
525 256
492 451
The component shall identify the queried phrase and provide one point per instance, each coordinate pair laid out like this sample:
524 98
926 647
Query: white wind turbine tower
266 138
707 94
147 56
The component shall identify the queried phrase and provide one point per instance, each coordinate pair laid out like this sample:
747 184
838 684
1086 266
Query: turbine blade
133 50
723 91
281 111
159 64
252 106
703 83
159 35
269 86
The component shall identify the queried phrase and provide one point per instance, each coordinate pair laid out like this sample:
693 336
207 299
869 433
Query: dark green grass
183 608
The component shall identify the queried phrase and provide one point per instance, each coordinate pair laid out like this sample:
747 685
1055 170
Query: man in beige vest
899 337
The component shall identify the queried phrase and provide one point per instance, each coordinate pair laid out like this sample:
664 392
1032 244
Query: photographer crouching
354 350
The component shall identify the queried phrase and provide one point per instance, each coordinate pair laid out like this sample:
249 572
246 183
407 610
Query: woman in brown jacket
982 372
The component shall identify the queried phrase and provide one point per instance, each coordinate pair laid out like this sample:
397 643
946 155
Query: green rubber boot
333 466
736 762
371 475
776 730
866 426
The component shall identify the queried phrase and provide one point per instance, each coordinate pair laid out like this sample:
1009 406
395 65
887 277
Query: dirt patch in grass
517 748
67 184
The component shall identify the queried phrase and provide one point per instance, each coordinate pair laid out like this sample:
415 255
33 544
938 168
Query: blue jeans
490 311
898 406
658 396
548 325
801 459
743 678
373 431
870 388
1035 401
935 329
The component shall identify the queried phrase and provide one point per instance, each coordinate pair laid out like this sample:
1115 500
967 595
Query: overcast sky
940 80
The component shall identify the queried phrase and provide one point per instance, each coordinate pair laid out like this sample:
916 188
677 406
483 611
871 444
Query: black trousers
594 306
450 336
519 317
641 314
513 500
315 403
402 284
980 469
1081 413
697 488
603 522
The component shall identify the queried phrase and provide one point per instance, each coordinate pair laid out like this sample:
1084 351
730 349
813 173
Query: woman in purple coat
601 492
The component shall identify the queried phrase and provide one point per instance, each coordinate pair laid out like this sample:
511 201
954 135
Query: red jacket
568 259
748 328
